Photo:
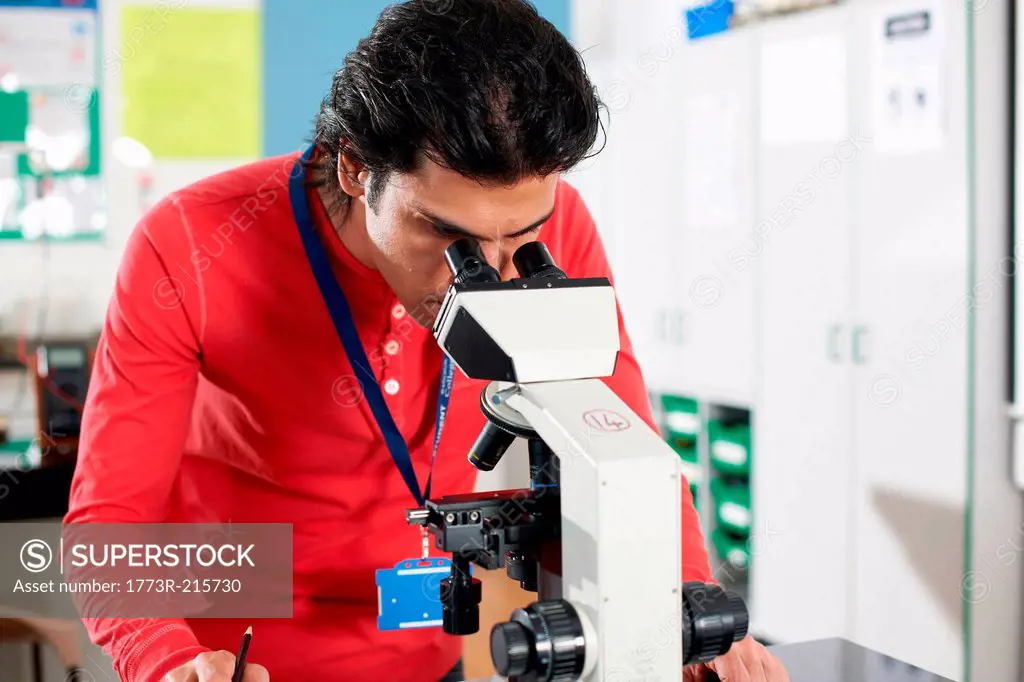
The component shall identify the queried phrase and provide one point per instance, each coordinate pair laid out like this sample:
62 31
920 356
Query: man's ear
352 176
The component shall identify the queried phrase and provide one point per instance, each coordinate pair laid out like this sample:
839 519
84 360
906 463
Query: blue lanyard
338 307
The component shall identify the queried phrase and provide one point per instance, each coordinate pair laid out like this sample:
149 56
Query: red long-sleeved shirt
219 393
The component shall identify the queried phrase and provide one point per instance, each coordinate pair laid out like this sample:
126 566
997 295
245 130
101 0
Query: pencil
243 651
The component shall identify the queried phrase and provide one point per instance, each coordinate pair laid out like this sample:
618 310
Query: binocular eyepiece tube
468 264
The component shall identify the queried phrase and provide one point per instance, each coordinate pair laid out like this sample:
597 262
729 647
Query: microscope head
542 326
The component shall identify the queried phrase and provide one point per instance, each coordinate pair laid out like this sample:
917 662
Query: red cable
29 364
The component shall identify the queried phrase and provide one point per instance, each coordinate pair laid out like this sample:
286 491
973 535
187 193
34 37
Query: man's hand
215 666
746 661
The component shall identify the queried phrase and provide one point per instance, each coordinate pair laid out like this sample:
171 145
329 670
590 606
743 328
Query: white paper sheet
57 135
46 47
908 98
803 90
74 205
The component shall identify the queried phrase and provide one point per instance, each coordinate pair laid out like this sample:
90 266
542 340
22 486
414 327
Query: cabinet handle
858 332
670 327
833 343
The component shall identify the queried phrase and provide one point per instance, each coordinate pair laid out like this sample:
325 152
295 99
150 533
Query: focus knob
511 649
544 640
713 620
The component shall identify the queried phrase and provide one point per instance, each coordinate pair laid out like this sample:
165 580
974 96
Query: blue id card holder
409 595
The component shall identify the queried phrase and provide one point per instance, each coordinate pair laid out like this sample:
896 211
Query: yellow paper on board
190 80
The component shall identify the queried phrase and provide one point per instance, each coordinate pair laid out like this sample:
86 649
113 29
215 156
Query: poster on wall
908 97
50 180
190 78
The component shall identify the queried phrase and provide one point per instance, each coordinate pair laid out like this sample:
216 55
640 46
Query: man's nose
498 258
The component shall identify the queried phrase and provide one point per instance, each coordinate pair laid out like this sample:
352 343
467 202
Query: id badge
409 595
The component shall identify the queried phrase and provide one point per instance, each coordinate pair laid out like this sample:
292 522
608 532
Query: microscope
597 533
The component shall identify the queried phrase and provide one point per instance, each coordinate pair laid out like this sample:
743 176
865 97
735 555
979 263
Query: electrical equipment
62 380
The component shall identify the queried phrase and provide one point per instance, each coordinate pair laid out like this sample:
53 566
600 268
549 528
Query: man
222 390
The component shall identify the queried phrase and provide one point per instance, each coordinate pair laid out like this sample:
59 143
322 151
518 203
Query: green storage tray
678 403
731 549
681 417
693 473
732 506
730 448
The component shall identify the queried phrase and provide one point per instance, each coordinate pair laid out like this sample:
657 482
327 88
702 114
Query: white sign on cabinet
908 98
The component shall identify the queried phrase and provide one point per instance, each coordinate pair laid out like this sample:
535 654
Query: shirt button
391 347
398 312
391 386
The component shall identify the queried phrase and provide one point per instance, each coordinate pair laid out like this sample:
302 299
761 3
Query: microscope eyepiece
534 261
469 264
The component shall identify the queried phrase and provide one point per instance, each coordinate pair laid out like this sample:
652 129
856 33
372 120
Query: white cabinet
816 271
714 277
803 425
860 425
645 219
676 196
631 185
911 246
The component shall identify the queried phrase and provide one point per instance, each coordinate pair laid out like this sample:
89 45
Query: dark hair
486 88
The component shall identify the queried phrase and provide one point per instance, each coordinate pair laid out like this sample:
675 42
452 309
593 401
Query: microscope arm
620 487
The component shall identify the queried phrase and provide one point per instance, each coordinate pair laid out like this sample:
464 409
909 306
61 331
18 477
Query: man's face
418 215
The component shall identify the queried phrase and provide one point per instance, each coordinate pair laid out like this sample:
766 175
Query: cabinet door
644 217
910 392
714 292
802 418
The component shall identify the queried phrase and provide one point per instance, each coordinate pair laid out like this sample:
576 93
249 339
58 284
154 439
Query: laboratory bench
839 660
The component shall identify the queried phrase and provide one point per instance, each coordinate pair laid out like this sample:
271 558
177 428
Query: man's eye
442 232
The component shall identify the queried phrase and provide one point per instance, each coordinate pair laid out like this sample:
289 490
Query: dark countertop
837 660
832 660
